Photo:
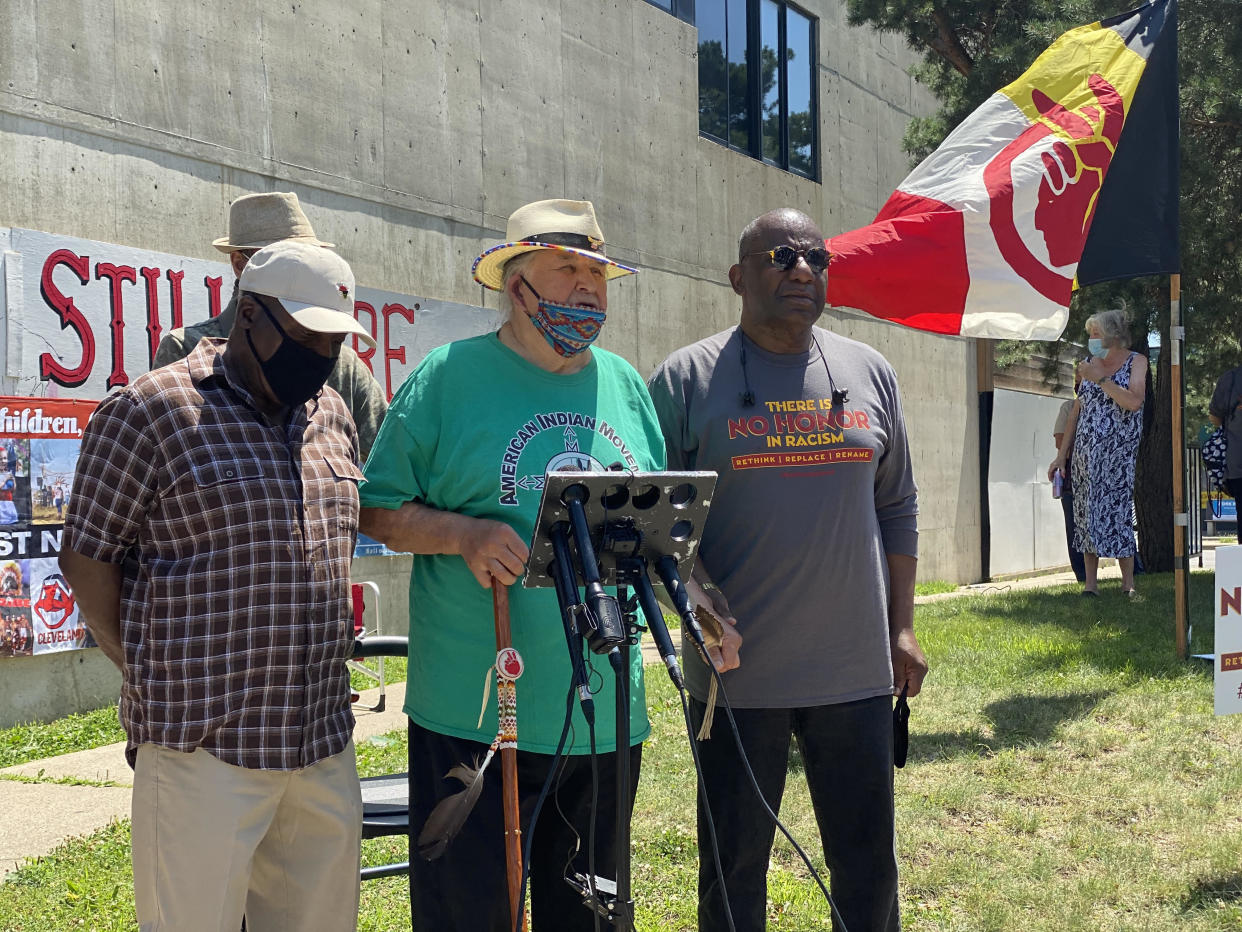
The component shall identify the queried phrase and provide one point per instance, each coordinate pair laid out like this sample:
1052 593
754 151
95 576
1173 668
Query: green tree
972 48
725 100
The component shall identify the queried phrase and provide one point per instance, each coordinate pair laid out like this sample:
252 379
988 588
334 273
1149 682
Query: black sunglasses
786 257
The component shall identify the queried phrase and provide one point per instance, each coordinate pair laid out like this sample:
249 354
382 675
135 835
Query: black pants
466 888
847 751
1076 561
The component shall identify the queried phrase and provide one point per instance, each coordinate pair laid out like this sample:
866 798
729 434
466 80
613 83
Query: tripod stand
607 529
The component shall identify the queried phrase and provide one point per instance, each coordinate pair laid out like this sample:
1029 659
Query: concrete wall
392 575
49 686
411 130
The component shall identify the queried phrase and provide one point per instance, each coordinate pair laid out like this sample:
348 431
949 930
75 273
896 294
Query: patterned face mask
568 328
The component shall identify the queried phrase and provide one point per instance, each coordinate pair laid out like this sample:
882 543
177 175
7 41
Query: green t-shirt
474 430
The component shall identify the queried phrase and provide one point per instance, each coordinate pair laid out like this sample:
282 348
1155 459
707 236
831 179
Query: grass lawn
93 729
934 587
1066 773
23 743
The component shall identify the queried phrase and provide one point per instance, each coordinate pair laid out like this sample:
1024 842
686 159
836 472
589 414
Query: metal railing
1195 484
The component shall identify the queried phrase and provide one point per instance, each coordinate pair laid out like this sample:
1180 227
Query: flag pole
1181 519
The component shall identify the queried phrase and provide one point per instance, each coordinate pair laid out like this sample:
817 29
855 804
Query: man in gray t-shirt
810 550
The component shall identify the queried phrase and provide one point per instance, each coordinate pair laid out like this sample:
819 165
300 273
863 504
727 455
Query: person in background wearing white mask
1103 430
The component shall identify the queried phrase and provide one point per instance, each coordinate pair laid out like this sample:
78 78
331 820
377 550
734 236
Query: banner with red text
82 317
39 443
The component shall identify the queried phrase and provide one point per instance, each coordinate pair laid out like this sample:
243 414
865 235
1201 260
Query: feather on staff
450 814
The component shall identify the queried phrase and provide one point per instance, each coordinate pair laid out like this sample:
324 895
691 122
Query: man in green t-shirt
455 477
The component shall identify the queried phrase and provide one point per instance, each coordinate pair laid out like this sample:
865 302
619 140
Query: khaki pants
212 842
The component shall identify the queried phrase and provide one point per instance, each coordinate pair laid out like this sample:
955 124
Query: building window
682 9
757 81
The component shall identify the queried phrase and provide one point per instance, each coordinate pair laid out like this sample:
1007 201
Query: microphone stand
621 911
660 514
608 634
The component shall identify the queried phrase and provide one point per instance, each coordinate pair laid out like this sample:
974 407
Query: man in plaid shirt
208 539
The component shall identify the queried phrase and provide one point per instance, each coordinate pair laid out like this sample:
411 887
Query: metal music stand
620 525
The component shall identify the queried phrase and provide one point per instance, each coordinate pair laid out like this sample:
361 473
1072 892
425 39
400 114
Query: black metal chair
385 799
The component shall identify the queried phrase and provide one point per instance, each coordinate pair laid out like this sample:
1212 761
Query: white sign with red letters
83 317
1228 659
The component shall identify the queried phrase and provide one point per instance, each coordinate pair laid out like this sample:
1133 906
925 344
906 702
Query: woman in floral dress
1106 424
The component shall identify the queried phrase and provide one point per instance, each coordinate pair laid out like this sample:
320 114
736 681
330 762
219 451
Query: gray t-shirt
811 497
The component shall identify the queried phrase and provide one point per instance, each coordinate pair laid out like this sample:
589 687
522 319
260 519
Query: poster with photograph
40 439
52 463
16 628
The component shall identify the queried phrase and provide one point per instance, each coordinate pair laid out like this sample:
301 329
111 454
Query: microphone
608 631
606 627
666 567
567 592
655 620
748 397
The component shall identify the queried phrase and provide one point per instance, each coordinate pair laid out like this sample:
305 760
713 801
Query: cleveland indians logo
1072 150
55 604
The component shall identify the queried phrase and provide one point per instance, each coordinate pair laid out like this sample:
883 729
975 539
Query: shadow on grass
1109 633
1210 892
1024 634
1017 722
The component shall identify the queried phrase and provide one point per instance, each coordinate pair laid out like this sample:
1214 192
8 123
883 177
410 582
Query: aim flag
1066 176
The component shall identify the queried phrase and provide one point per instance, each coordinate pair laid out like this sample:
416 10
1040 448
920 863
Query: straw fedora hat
555 224
258 220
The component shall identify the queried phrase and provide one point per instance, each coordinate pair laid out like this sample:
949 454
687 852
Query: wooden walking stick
508 669
450 814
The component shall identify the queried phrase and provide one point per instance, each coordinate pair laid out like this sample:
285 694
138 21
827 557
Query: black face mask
294 372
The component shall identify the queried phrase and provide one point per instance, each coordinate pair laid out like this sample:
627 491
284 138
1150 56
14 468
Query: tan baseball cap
314 284
258 220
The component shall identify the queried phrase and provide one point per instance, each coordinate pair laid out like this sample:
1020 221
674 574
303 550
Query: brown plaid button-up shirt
236 534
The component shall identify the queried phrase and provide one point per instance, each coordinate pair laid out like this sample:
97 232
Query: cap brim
225 246
326 320
489 268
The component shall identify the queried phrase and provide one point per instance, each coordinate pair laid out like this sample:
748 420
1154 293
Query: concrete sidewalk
41 816
1109 570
